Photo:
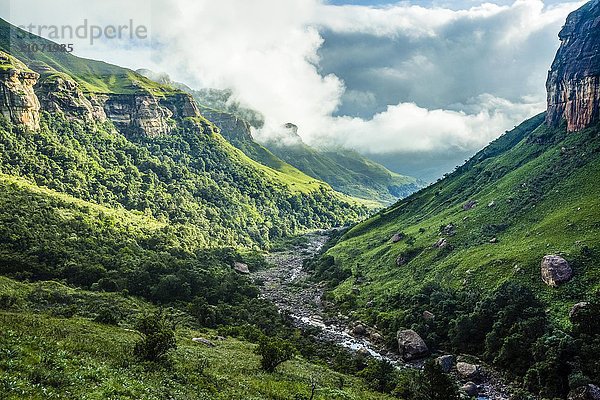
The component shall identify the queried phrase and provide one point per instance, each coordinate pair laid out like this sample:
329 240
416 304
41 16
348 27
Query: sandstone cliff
573 83
25 93
18 101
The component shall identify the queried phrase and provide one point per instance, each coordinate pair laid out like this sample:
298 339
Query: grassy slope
93 76
347 172
546 199
45 355
275 167
100 77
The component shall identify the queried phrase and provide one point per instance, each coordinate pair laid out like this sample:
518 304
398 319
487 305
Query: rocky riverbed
288 285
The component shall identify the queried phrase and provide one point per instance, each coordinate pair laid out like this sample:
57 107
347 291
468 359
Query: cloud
408 128
395 78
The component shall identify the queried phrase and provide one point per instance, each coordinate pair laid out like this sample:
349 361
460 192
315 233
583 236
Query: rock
469 205
470 389
446 362
401 260
59 93
376 337
577 308
363 352
555 270
449 230
494 240
428 315
573 83
18 102
441 243
241 268
205 342
397 237
587 392
410 345
468 371
359 330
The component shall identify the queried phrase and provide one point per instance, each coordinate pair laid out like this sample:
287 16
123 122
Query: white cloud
406 127
267 51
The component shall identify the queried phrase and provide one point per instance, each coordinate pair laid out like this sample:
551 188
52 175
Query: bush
158 337
434 384
380 375
274 352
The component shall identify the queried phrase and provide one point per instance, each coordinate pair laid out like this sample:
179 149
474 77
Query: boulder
397 237
449 230
441 243
410 345
587 392
555 270
445 362
468 371
241 268
470 389
363 352
428 315
401 260
205 342
376 337
359 330
469 205
577 308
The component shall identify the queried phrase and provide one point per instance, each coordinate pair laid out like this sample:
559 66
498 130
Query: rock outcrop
234 129
555 270
410 345
59 93
18 102
573 84
241 268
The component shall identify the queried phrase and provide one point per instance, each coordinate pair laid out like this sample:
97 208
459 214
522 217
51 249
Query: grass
542 187
347 172
44 356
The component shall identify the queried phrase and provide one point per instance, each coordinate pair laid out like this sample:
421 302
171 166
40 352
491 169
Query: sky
417 85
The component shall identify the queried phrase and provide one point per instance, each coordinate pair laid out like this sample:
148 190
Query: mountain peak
573 83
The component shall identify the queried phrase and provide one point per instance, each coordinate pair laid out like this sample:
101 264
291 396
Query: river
289 286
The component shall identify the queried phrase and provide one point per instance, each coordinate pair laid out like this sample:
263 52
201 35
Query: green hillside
536 193
347 172
58 342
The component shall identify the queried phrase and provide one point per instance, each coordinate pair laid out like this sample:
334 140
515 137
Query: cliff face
573 84
58 93
18 101
234 129
145 114
24 93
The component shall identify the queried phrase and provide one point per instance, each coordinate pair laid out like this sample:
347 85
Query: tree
274 352
434 384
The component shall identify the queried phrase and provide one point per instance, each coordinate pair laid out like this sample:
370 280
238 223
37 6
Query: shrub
434 384
274 352
158 337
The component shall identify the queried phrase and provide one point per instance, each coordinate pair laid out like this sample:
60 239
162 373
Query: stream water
288 285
